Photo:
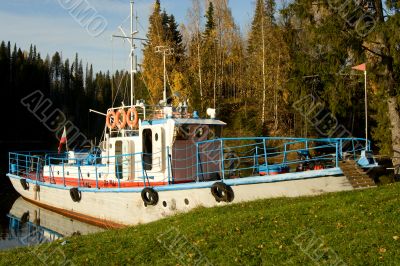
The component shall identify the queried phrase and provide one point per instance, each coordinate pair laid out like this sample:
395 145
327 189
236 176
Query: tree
268 63
210 24
163 32
333 37
152 62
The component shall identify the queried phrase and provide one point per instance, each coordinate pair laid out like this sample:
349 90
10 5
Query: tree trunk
394 117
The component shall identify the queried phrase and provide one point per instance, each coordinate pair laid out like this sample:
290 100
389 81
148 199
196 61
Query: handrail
221 158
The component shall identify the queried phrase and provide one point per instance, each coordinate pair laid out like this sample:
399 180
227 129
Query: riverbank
355 228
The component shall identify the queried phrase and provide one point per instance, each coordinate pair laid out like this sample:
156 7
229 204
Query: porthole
88 175
199 132
186 201
156 137
164 203
58 172
67 173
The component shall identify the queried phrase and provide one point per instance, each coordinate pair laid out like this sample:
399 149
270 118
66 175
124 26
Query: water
25 224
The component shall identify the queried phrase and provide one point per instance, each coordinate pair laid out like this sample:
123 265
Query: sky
55 25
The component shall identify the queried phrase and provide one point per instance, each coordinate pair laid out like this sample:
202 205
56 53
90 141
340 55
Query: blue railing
223 158
240 157
61 167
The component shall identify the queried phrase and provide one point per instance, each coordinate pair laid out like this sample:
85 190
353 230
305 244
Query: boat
156 161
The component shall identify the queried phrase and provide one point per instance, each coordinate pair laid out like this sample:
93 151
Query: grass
353 228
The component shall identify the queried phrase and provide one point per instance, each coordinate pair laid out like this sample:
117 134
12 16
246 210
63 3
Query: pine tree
163 31
152 62
210 24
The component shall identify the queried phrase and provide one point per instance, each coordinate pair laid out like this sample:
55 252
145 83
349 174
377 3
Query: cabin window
147 149
198 132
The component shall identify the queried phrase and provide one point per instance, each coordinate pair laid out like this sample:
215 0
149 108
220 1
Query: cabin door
153 149
128 162
118 159
158 149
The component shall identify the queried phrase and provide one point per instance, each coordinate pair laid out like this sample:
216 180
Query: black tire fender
24 184
75 194
149 196
222 192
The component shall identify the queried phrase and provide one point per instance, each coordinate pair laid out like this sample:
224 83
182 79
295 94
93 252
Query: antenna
133 67
132 53
165 50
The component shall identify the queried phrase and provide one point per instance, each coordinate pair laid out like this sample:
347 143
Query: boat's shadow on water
7 199
25 224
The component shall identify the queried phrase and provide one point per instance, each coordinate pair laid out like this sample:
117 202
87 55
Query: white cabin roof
181 121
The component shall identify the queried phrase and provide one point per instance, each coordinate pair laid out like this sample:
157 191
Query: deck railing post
96 172
143 174
306 146
168 166
16 155
37 170
79 173
119 179
337 154
197 162
26 166
341 148
265 155
256 160
120 174
63 170
284 153
222 159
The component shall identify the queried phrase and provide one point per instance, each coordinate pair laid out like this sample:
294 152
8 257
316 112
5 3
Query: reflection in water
31 225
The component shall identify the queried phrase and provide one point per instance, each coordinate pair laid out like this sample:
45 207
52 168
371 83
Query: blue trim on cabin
154 122
197 185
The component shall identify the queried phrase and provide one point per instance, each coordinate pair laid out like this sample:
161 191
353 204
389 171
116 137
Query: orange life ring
108 120
132 123
121 113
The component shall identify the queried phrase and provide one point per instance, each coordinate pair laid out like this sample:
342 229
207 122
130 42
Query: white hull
115 209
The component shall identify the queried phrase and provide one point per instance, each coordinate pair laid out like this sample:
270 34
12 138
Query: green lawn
353 228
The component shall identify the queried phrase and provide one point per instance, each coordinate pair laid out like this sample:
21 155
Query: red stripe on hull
73 182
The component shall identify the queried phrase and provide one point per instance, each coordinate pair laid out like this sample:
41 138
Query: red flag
362 67
63 140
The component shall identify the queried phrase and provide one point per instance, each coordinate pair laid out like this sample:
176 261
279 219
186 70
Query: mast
164 50
133 67
131 40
